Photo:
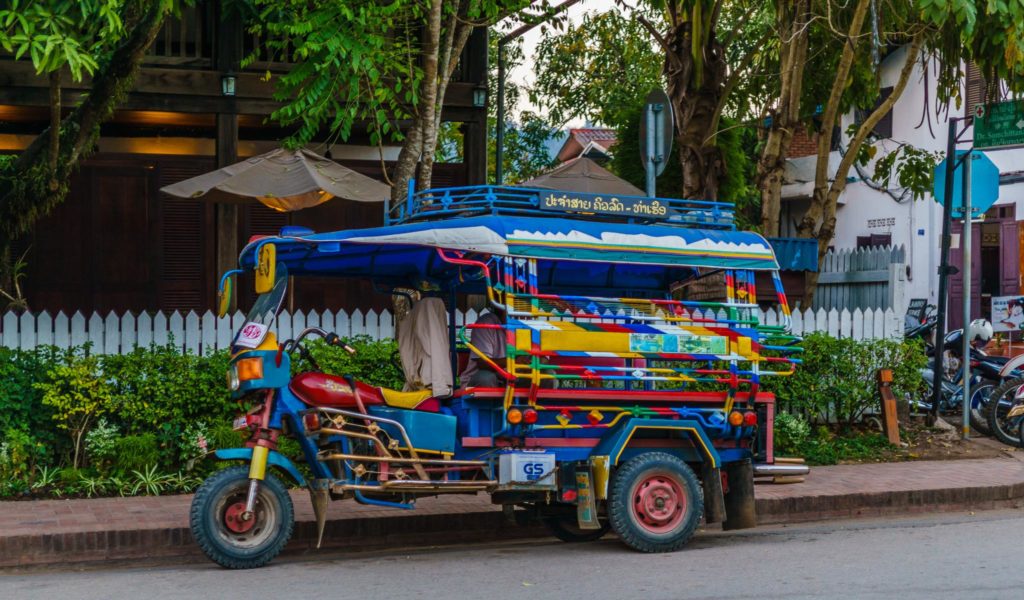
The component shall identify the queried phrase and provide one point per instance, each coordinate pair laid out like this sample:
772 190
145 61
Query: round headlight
233 382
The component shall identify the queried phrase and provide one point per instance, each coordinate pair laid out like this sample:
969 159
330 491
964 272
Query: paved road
905 559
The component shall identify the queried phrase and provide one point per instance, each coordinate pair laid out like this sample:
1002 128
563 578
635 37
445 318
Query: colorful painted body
626 366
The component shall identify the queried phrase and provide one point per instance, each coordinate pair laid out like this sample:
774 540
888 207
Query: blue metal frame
443 203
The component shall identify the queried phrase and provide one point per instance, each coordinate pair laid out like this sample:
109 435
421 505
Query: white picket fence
114 334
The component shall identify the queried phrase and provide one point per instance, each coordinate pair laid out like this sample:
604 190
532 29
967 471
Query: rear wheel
221 532
1002 399
568 530
655 502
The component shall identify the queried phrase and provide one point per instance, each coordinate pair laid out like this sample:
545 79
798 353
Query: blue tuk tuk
625 390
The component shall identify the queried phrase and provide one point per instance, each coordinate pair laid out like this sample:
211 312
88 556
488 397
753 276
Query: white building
869 214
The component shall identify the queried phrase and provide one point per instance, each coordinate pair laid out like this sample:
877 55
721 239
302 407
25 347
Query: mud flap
740 510
714 496
319 495
586 503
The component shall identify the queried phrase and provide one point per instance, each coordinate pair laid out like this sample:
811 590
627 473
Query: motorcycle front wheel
1002 399
219 528
980 397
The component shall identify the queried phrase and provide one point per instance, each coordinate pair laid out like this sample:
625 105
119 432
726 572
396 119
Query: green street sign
999 125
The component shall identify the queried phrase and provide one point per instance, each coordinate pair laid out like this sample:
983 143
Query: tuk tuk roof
410 249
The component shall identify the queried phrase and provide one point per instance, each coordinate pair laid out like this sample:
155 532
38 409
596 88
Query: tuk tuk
625 390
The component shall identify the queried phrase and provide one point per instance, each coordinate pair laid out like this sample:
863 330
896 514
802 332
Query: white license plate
240 423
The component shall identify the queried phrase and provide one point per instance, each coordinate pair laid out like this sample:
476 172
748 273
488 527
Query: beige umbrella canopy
285 180
583 175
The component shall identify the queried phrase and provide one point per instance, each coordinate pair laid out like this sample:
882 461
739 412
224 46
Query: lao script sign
630 206
999 125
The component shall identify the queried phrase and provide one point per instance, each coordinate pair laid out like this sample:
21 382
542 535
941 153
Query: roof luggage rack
444 203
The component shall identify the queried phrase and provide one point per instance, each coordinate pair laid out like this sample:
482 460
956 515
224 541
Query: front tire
980 397
230 542
655 502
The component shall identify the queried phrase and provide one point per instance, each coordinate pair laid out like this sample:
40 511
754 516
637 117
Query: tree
375 64
951 32
701 70
602 69
526 153
104 39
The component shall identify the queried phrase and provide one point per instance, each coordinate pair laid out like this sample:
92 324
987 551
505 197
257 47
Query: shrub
838 378
374 362
22 402
100 444
135 452
77 396
791 432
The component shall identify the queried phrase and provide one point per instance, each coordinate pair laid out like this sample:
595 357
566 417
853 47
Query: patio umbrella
583 175
285 180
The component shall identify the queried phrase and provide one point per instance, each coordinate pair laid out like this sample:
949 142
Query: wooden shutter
975 89
186 241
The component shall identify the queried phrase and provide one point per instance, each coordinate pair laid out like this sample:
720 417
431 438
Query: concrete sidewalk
80 531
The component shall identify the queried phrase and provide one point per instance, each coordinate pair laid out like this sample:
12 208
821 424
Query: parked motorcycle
1004 412
984 370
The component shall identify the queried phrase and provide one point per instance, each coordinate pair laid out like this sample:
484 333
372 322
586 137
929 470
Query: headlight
233 381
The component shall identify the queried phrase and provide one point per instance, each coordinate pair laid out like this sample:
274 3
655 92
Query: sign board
1007 313
603 204
999 125
984 183
664 126
251 335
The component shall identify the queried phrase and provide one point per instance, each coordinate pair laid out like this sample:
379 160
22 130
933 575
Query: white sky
523 74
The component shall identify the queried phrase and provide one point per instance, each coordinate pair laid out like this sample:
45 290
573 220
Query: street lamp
227 84
480 96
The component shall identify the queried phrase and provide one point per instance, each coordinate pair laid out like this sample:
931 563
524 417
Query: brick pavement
64 531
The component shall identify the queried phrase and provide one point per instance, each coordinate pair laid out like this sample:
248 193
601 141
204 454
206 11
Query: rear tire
655 502
1002 398
569 531
215 526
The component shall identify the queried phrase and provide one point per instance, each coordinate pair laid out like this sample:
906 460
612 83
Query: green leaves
58 33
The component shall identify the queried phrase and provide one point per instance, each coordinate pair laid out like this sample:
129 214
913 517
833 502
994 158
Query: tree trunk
792 23
694 101
826 197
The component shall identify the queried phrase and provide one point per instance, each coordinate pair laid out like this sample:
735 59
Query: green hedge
76 423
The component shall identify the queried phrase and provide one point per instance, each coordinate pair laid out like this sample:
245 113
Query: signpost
999 125
970 188
656 132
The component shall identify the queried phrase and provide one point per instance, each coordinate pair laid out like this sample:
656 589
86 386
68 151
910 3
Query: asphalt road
945 556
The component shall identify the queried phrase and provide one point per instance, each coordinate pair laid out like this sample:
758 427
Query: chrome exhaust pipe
765 470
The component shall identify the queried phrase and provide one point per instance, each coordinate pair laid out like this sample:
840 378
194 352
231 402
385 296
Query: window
883 128
975 92
873 240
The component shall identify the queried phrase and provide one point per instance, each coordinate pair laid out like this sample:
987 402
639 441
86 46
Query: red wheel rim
659 504
233 518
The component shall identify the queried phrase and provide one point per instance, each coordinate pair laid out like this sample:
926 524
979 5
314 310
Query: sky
523 74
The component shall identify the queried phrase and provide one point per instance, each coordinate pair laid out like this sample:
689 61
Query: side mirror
266 268
225 292
224 298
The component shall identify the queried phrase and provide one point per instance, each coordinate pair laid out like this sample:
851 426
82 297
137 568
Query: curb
384 532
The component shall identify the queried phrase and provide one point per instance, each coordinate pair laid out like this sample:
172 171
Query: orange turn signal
514 416
735 418
249 368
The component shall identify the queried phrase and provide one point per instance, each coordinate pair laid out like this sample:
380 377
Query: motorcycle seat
414 400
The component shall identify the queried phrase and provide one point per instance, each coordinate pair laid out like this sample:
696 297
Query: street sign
984 183
999 125
657 105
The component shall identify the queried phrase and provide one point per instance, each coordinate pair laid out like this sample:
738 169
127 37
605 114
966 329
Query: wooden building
118 244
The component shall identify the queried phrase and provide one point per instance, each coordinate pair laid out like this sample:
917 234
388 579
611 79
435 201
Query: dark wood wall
118 244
